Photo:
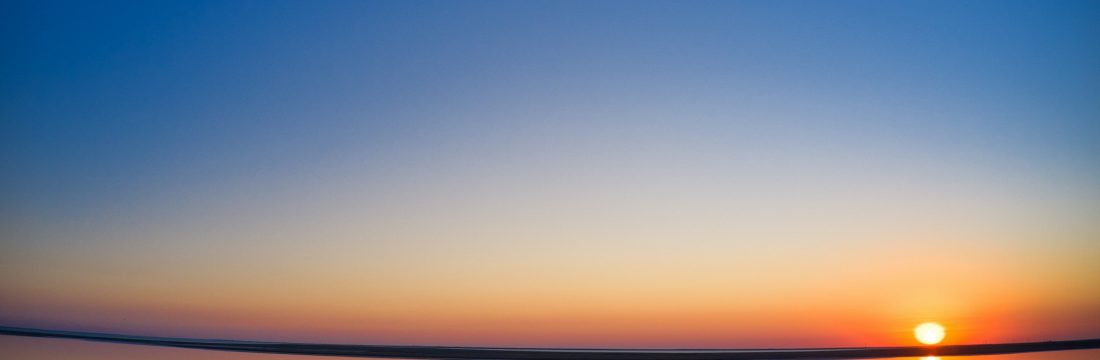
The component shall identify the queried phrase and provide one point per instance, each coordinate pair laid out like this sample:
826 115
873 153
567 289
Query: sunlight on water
1054 355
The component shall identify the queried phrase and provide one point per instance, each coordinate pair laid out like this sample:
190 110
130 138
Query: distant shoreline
444 352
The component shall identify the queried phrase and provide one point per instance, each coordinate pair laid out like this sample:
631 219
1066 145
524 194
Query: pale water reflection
12 347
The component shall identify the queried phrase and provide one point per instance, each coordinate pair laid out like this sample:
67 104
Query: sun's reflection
930 358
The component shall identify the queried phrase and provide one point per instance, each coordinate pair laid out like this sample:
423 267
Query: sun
929 333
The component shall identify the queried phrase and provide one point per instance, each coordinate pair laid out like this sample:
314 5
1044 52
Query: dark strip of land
443 352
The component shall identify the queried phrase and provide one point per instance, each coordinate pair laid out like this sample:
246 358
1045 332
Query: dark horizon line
504 353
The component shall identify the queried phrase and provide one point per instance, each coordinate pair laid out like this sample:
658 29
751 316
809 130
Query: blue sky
106 101
475 136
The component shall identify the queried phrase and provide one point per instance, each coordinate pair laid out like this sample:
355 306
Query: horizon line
516 353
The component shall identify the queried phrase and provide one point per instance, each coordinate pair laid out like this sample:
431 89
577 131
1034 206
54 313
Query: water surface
12 347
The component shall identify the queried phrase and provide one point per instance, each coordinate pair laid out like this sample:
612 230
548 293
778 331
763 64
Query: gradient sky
638 174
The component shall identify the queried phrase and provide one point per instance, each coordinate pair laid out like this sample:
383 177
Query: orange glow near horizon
685 301
612 174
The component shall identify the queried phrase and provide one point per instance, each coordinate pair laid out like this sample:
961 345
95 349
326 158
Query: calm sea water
22 348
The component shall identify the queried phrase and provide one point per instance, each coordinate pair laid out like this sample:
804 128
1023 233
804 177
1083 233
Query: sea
25 348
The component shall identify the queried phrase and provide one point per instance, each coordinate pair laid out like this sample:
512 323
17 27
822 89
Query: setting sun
929 333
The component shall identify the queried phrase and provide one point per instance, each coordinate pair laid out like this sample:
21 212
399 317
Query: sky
567 173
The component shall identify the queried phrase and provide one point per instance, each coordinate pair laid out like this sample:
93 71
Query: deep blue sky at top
109 104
